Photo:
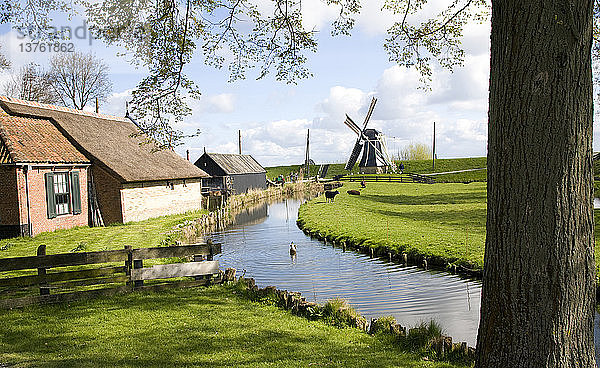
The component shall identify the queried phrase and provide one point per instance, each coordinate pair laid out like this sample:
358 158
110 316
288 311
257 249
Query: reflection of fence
402 178
75 280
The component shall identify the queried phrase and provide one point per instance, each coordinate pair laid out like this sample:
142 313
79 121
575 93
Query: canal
257 246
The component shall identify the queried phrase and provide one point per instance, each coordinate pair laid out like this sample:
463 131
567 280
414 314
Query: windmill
375 158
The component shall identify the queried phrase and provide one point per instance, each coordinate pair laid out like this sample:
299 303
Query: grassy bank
415 166
334 169
149 233
212 327
444 165
439 220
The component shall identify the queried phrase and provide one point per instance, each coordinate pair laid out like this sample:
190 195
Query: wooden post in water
44 289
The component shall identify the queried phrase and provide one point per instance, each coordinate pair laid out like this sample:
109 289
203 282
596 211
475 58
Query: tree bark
538 282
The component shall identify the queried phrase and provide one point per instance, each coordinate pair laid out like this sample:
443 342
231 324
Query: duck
292 249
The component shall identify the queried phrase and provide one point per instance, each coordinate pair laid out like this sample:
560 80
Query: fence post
211 251
128 263
137 264
44 289
198 258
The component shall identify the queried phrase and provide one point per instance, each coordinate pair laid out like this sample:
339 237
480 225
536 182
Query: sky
348 71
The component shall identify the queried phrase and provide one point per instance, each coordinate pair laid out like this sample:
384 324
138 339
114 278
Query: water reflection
373 286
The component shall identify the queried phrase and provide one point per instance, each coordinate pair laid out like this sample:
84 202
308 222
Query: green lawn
444 165
443 220
334 169
462 177
212 327
149 233
415 166
446 220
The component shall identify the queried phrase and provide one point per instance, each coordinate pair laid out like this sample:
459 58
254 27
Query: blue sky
348 71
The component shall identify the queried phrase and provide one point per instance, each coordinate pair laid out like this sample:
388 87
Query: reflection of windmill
375 158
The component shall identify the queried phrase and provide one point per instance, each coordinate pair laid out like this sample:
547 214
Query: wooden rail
402 178
76 284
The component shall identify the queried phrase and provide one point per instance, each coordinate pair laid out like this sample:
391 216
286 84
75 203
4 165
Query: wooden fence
84 281
402 178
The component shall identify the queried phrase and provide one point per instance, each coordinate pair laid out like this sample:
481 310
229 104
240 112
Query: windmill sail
371 108
354 155
352 125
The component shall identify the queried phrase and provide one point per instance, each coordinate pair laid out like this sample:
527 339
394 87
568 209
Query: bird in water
292 249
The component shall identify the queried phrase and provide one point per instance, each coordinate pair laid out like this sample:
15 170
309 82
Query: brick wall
108 190
9 201
37 199
153 199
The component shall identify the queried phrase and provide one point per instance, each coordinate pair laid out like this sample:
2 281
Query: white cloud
223 103
404 113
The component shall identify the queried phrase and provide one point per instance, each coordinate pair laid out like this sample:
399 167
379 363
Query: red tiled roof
30 140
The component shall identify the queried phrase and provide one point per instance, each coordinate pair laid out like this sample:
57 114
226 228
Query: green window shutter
75 193
50 199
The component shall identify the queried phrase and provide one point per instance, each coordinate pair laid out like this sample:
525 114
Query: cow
354 192
330 195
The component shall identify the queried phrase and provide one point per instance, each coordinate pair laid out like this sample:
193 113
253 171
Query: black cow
354 192
330 195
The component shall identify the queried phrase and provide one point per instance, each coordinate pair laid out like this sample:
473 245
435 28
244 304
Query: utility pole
240 141
434 145
307 159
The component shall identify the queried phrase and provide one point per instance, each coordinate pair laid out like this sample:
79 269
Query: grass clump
382 325
211 327
339 313
422 336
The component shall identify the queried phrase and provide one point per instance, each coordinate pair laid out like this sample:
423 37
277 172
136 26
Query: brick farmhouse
61 168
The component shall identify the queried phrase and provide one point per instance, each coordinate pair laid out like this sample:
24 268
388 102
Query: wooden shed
233 173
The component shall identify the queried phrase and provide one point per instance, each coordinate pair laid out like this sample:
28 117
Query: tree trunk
538 284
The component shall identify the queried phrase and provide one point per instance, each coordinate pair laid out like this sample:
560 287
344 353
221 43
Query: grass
444 164
443 220
213 327
463 177
415 166
334 169
149 233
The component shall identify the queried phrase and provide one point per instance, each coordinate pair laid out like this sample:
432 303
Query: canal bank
257 246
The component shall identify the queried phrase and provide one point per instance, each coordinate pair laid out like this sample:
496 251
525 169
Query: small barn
122 174
234 173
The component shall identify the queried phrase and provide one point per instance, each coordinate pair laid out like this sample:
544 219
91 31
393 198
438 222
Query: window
63 193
